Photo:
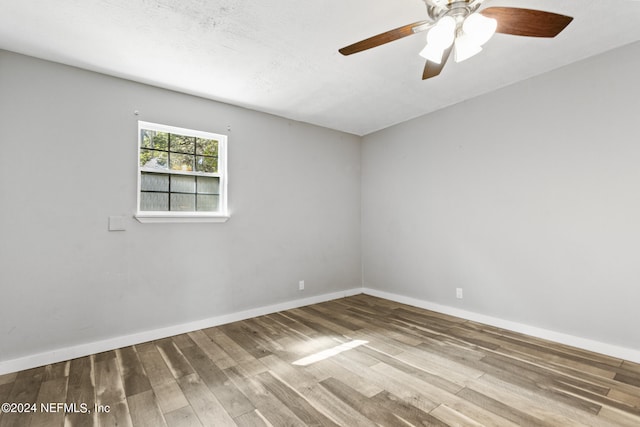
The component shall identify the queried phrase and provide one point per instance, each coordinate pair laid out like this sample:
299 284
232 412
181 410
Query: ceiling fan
457 26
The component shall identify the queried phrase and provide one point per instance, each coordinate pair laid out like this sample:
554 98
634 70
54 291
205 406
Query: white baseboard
625 353
62 354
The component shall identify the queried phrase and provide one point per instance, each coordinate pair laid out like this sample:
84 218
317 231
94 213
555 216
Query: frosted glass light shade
439 38
432 53
465 48
479 27
443 33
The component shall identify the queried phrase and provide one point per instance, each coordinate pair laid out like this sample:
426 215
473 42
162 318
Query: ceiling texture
281 56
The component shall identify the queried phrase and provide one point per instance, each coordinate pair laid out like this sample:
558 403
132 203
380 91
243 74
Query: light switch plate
116 223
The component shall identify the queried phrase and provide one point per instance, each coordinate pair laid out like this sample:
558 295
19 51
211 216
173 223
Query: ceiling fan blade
431 69
385 37
527 22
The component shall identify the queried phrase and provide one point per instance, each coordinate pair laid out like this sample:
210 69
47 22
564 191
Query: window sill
179 217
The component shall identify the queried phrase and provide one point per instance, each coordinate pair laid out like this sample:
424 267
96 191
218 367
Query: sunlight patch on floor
325 354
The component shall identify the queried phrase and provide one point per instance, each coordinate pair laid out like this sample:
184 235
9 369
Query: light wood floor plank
117 416
451 417
154 365
252 419
5 389
499 408
630 366
144 410
405 411
622 396
544 408
235 352
24 389
619 418
273 410
294 401
212 350
8 378
208 409
329 368
174 358
293 325
134 377
360 403
234 402
170 396
58 370
183 340
183 417
81 390
247 339
50 392
436 365
415 372
108 382
395 386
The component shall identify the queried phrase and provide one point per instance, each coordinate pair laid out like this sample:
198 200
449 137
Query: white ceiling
281 56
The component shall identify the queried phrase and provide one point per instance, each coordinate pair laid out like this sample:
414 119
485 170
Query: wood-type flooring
384 364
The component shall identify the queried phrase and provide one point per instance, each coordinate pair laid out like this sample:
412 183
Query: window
181 175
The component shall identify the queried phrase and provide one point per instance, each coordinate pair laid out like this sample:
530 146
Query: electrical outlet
301 285
459 293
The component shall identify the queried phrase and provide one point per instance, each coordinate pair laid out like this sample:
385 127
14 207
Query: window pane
183 184
145 138
154 182
154 139
182 144
207 147
208 185
154 201
207 202
183 202
153 159
206 164
178 172
182 162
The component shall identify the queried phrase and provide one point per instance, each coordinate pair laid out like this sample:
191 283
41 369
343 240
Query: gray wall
528 198
68 162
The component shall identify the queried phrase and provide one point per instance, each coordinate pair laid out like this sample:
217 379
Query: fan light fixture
469 36
439 38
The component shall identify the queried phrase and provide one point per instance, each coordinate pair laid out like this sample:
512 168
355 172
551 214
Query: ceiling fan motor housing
458 9
444 4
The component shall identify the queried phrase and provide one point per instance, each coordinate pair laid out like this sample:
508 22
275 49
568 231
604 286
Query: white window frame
221 215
